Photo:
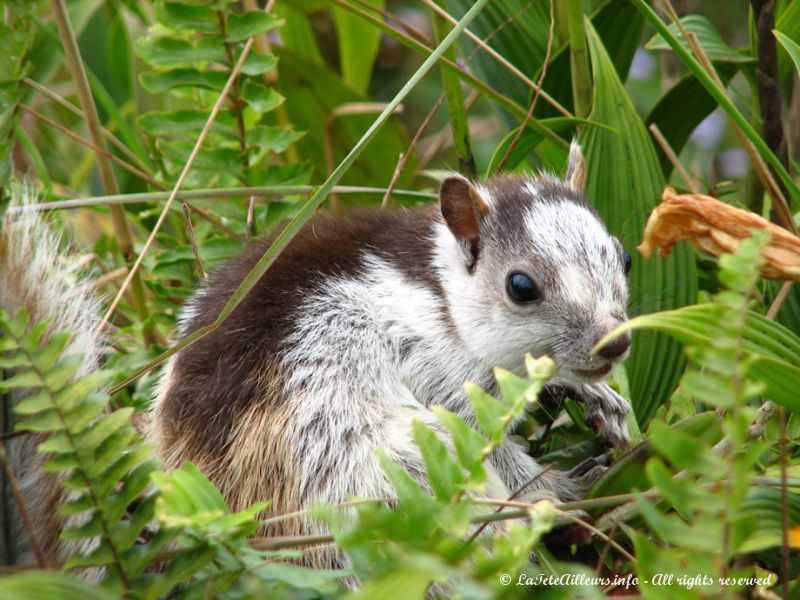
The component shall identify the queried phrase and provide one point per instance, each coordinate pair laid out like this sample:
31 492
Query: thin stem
768 80
673 158
63 102
181 178
80 468
193 240
99 150
403 160
579 61
780 298
529 116
784 504
511 498
216 223
213 194
310 207
235 93
604 536
483 45
761 169
719 95
271 76
118 217
36 546
455 102
504 101
400 23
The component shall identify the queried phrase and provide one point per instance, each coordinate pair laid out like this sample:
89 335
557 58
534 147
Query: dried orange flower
716 228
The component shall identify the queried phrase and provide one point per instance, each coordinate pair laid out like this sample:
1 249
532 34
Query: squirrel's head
528 266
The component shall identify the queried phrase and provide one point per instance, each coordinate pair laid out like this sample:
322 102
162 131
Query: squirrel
364 322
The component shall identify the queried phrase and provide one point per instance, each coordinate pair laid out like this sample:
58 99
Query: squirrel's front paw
607 412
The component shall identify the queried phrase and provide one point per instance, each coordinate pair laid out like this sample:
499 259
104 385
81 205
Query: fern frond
100 459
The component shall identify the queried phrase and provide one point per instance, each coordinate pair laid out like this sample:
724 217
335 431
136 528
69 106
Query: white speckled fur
33 277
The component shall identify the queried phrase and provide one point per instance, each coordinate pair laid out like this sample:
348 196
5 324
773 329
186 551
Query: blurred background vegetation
318 75
102 103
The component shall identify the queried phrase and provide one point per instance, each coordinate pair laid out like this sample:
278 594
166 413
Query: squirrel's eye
626 260
521 289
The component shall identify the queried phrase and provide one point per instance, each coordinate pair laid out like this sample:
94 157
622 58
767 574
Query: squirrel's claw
607 412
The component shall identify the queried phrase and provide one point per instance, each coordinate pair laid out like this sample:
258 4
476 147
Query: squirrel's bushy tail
34 276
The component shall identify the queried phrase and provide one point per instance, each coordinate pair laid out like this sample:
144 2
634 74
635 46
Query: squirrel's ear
463 208
576 167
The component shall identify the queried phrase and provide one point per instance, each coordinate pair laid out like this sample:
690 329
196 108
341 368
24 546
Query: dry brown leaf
716 228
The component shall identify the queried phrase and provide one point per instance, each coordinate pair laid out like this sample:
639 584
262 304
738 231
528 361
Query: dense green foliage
309 122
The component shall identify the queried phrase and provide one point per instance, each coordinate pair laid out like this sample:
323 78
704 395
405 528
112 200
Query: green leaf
708 37
788 23
59 443
708 387
673 492
217 159
19 324
682 109
258 64
157 83
77 391
628 474
275 139
47 356
46 585
111 448
262 98
792 48
523 42
185 121
518 392
298 34
446 477
60 462
721 97
75 506
24 379
30 341
34 403
489 412
409 492
57 377
255 22
531 137
398 584
136 484
169 52
181 16
773 350
764 505
471 447
103 428
188 563
187 491
106 477
624 181
683 450
358 44
703 536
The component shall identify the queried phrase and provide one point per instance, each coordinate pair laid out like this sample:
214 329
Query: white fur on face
582 252
569 254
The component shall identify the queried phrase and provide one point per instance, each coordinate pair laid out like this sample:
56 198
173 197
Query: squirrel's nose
616 347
